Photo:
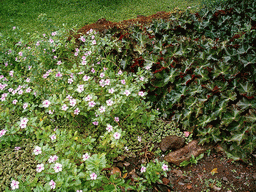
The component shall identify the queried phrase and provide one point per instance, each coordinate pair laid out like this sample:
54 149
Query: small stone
185 153
172 142
180 183
225 179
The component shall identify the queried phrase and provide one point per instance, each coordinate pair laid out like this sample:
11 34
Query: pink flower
25 105
46 103
69 97
82 39
142 169
59 63
116 119
93 176
92 104
93 71
52 184
53 137
142 78
95 123
17 148
93 36
15 184
20 54
75 54
51 111
76 111
51 41
52 158
57 168
54 33
24 120
11 73
186 133
117 135
86 156
84 62
58 74
40 167
123 81
2 132
37 150
147 67
165 167
13 27
93 42
109 128
141 93
139 138
120 72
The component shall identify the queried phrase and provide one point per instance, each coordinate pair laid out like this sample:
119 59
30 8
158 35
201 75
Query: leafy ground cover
88 116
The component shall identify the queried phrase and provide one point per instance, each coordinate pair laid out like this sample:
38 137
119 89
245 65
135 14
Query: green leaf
239 137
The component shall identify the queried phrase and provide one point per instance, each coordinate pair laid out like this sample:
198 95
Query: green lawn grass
24 13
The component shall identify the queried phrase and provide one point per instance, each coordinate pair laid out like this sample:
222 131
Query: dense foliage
203 71
80 104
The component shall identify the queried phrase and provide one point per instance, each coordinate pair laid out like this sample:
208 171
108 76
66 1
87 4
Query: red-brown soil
102 24
212 173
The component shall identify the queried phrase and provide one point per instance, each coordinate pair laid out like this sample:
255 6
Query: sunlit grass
24 13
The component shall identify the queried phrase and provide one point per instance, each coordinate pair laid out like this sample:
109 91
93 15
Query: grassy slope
24 13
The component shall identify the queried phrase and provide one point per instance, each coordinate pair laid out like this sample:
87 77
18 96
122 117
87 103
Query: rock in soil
185 153
172 142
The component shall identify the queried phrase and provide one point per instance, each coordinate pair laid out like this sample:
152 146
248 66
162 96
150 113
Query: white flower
92 104
139 138
24 120
109 102
80 88
72 102
57 168
88 98
76 111
141 93
102 109
86 156
127 92
25 105
46 103
2 132
143 169
52 158
15 184
52 184
64 107
117 135
40 167
93 176
109 128
86 78
165 167
102 75
53 137
37 150
14 101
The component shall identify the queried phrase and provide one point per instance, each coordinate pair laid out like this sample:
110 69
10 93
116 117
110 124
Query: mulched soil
212 173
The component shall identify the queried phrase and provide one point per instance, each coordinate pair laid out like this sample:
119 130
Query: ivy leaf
245 104
247 89
239 137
